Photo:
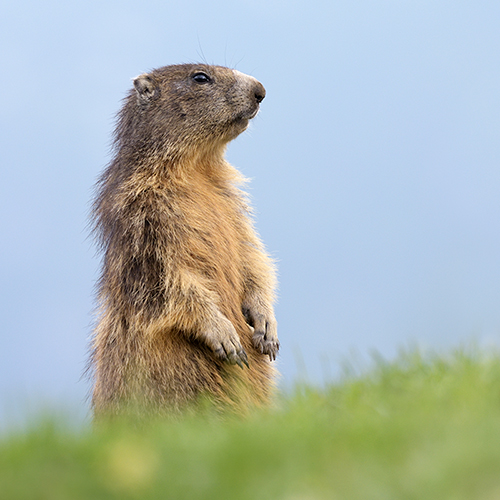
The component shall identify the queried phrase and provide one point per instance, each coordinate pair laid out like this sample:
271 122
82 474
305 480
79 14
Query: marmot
186 291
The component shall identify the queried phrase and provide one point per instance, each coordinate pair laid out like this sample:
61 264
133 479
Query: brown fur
184 273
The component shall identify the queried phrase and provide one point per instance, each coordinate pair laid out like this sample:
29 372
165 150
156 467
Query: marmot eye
201 78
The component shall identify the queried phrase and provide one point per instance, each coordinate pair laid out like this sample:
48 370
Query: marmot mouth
247 115
253 114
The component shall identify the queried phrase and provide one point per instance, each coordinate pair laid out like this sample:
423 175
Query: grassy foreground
421 427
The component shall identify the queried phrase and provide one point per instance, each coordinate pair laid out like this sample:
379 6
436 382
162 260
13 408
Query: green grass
421 427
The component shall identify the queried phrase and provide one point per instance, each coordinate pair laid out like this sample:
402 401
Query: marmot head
185 108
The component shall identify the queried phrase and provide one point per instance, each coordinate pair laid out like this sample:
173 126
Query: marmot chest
213 237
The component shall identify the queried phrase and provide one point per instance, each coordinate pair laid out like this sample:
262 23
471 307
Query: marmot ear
147 89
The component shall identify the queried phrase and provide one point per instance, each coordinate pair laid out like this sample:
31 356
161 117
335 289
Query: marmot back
186 289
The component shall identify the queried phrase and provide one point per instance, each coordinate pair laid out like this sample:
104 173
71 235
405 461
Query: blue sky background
374 166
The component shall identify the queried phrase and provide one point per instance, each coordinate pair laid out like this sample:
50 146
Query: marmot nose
259 92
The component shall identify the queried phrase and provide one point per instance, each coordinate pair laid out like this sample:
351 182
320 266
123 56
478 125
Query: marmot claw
232 357
266 346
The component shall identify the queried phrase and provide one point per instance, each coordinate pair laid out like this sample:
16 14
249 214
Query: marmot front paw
225 343
265 332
